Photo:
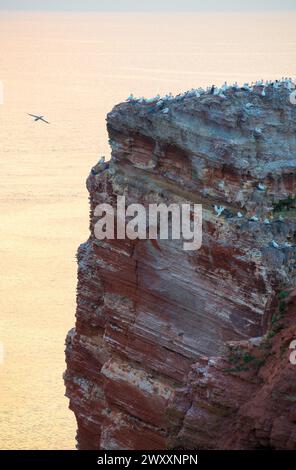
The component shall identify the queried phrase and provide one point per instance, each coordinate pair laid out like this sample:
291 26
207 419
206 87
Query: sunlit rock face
163 352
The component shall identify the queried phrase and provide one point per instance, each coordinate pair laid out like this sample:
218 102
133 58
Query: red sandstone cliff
175 349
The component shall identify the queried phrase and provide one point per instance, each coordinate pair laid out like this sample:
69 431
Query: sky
146 5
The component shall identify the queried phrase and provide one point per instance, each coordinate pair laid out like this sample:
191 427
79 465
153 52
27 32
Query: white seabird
246 87
165 111
225 87
261 187
266 221
240 215
275 244
289 85
288 245
254 218
102 160
150 100
219 210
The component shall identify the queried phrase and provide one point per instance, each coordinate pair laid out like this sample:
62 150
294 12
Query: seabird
225 87
254 218
261 187
288 245
102 160
165 111
150 100
266 221
289 85
240 215
38 118
219 210
212 89
275 244
159 103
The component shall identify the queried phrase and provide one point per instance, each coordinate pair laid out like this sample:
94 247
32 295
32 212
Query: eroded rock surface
174 348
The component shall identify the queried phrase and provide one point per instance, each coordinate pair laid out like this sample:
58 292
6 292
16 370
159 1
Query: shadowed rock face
158 329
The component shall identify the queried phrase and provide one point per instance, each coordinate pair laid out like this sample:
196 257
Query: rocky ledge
190 349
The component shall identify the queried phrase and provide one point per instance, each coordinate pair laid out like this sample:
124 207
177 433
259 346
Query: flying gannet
38 118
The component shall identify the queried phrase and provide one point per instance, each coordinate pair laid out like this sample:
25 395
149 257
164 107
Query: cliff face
189 349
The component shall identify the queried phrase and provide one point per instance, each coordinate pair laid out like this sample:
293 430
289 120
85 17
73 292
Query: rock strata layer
190 349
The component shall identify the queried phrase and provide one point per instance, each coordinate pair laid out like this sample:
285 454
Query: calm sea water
73 68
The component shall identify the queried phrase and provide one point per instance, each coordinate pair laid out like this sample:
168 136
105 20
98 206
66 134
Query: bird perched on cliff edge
275 244
261 187
219 210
